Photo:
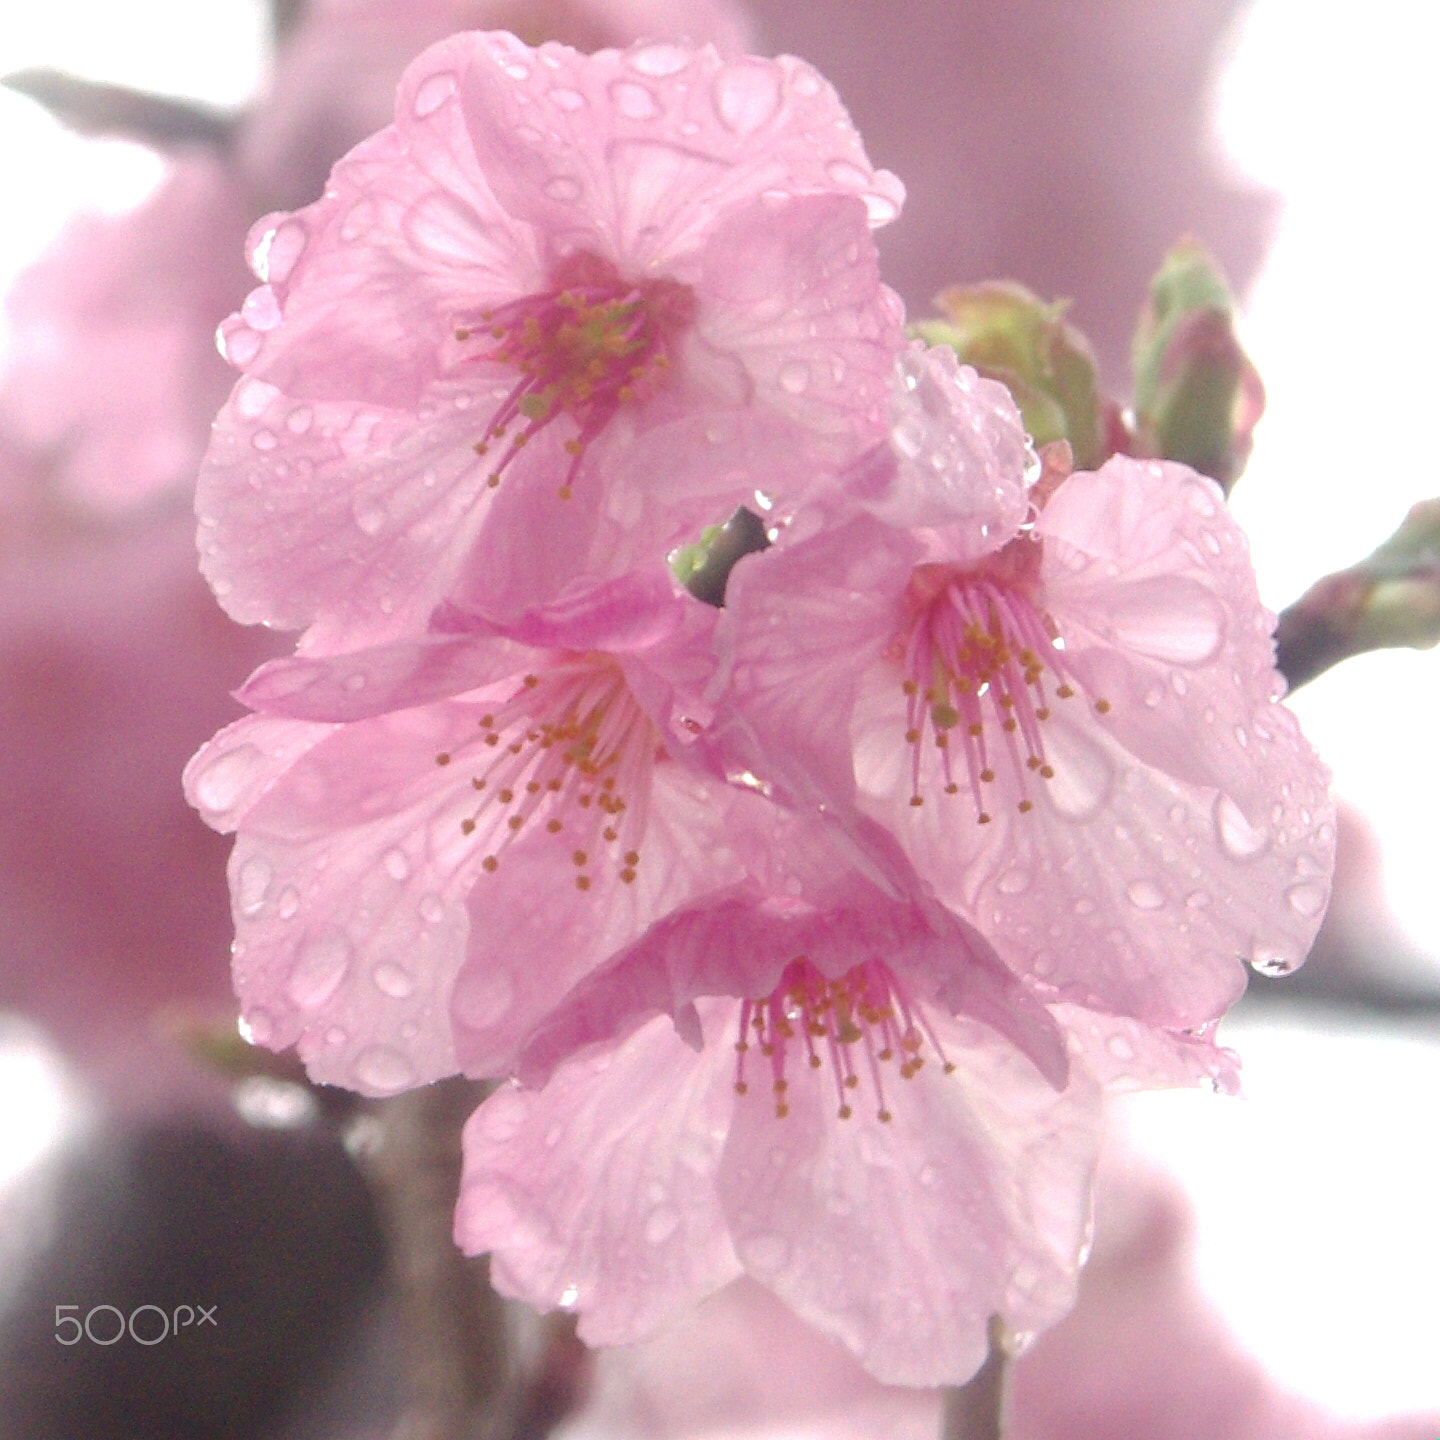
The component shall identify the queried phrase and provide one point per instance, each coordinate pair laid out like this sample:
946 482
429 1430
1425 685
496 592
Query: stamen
572 747
585 347
866 1007
978 662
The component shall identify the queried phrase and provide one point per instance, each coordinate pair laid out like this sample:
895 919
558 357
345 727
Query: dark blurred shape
95 108
1391 598
704 568
276 1231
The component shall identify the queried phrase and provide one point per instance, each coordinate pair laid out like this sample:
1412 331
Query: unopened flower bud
1197 395
1009 334
1389 599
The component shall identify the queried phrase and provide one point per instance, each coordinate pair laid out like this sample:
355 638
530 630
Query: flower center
861 1023
585 347
981 665
570 747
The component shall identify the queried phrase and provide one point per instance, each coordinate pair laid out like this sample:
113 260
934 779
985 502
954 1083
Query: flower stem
976 1410
476 1370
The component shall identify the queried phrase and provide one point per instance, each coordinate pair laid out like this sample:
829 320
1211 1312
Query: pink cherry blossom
844 1094
640 279
466 820
1076 735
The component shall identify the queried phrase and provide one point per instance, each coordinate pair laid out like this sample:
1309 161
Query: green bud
1011 335
1390 599
1197 395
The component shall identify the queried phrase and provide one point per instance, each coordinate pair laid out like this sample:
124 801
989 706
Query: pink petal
791 290
902 1239
636 154
342 516
365 683
229 774
1124 1054
957 457
348 884
598 1193
799 626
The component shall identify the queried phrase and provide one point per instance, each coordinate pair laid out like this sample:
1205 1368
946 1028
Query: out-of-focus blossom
549 262
112 376
1072 725
112 379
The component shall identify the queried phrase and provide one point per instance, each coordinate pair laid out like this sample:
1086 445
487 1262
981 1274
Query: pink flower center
584 348
861 1023
981 666
572 749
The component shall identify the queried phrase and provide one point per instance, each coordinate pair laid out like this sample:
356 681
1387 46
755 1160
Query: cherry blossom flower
643 280
841 1092
462 823
1073 725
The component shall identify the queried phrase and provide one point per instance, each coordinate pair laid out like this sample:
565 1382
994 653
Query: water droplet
569 1297
515 70
1153 698
319 970
1242 737
393 980
1238 838
658 60
370 514
747 95
564 98
380 1070
1200 500
482 996
252 885
253 398
794 377
221 783
288 903
928 1176
1083 773
286 246
264 440
397 865
1198 899
1273 959
1120 1048
633 100
1145 895
432 908
563 188
299 420
661 1224
433 92
846 172
237 342
1014 882
336 1036
763 1253
261 310
1178 685
1307 899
